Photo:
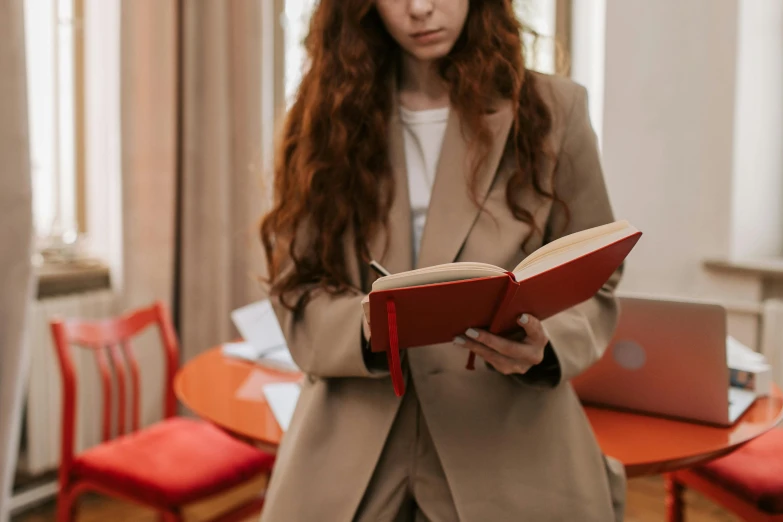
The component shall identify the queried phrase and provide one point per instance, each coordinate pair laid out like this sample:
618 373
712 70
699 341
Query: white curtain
221 185
16 230
221 138
147 94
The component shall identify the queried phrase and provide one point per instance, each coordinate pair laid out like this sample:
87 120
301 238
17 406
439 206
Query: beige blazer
511 449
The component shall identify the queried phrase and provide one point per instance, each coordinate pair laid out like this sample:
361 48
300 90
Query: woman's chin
429 53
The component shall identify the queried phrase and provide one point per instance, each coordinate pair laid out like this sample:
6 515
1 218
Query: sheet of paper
241 350
257 323
252 388
277 357
279 360
738 355
282 398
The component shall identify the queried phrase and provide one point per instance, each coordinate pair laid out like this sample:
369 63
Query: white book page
561 255
437 274
571 240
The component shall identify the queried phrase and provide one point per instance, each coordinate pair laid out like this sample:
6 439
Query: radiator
43 414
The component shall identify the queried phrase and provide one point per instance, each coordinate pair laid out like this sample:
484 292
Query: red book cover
414 316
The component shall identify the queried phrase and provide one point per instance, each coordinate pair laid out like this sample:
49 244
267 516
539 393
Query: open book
434 304
549 256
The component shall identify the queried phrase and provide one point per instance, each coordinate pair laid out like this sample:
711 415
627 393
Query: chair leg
67 506
675 504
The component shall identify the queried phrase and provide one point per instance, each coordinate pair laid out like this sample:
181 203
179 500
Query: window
55 108
539 15
297 19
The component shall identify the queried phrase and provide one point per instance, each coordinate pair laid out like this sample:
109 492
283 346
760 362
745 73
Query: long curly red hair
333 174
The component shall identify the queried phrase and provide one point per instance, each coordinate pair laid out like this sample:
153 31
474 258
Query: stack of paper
748 369
264 342
277 357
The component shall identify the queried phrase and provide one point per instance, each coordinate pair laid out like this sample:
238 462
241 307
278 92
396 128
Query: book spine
511 292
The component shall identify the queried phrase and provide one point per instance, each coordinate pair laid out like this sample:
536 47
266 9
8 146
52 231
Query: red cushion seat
753 472
172 463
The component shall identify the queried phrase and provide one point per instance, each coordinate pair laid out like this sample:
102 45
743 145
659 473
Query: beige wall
686 99
667 136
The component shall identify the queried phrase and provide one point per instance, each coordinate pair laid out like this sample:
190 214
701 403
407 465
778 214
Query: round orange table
227 391
649 445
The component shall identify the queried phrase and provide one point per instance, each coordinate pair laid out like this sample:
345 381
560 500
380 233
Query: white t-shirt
423 133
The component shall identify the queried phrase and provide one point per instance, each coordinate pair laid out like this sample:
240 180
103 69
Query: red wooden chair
747 482
166 466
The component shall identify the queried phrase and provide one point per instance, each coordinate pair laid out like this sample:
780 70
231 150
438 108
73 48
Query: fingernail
459 340
524 318
472 333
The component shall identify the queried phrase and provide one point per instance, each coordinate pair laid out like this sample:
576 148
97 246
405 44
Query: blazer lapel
452 213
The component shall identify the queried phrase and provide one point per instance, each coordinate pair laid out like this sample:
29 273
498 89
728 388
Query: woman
418 137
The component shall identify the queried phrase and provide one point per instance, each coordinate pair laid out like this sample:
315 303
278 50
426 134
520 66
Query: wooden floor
645 504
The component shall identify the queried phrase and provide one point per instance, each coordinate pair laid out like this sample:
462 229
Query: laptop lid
666 358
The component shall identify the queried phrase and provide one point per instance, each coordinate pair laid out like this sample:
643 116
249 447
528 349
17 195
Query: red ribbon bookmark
393 353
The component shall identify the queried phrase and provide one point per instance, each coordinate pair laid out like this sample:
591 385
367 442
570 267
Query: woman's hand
506 355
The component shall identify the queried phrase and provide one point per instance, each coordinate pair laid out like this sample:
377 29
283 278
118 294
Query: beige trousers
408 484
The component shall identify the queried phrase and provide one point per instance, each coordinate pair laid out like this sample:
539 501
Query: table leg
675 505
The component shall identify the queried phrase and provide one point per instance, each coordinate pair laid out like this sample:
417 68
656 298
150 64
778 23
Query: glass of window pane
49 40
296 20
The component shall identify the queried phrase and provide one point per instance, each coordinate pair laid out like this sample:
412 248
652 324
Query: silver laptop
667 358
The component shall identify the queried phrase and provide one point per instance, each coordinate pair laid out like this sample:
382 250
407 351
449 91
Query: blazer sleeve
578 336
326 339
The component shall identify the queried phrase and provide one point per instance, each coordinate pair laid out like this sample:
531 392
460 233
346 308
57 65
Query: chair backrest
110 342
